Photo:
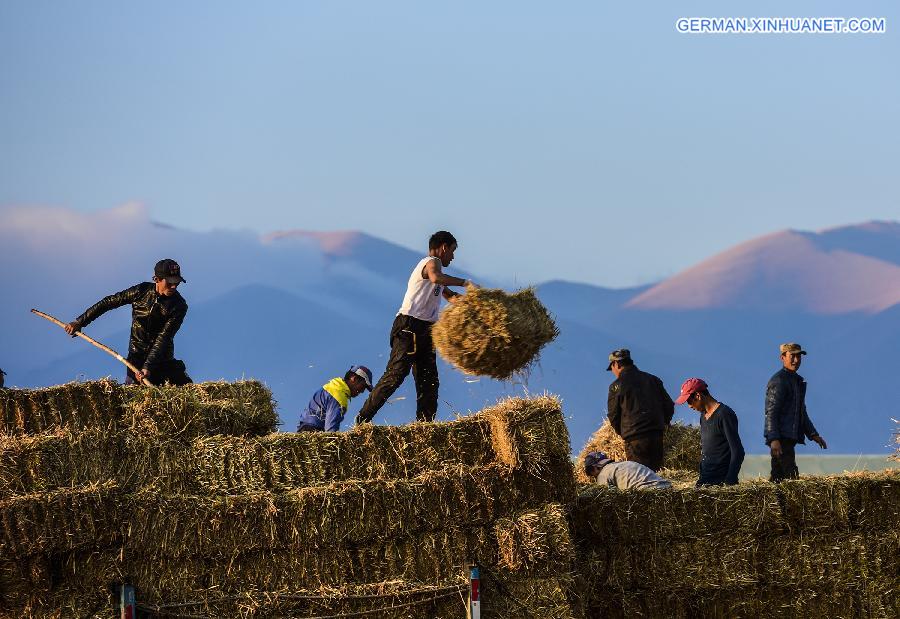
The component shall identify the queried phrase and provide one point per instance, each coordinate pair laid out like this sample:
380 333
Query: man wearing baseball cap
787 422
157 311
721 450
622 475
327 408
639 409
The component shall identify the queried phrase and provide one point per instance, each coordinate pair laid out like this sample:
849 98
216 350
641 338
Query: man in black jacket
639 409
157 311
787 421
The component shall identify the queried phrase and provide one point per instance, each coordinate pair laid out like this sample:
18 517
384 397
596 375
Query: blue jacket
327 407
786 416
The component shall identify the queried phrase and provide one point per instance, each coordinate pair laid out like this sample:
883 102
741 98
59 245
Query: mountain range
295 308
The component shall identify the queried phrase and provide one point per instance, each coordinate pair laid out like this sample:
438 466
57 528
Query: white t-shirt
422 299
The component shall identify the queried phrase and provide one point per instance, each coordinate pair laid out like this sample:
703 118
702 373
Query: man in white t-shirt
411 345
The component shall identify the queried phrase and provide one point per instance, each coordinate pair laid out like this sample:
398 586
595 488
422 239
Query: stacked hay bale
823 547
488 332
681 450
69 456
208 513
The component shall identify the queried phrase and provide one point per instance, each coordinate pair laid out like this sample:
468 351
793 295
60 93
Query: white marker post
474 593
127 602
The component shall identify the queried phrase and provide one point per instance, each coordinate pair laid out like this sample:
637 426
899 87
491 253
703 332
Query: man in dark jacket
157 311
787 422
721 450
639 409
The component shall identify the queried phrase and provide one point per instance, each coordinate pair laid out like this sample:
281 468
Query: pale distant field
759 465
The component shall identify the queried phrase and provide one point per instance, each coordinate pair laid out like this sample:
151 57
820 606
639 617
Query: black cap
595 458
169 270
621 354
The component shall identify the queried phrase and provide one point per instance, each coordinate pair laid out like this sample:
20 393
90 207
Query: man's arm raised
434 274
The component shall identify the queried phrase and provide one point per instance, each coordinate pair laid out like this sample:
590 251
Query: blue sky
582 140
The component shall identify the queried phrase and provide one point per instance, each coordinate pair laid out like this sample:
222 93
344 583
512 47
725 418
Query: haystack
240 408
681 447
410 600
377 520
831 543
61 520
349 512
857 502
534 540
57 459
243 408
488 332
94 404
527 437
750 601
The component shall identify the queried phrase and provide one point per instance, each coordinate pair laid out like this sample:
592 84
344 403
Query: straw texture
489 332
681 447
830 543
180 495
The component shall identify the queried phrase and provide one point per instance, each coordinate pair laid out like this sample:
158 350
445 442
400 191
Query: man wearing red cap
721 450
787 422
157 311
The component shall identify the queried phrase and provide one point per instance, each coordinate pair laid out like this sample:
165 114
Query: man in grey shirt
622 475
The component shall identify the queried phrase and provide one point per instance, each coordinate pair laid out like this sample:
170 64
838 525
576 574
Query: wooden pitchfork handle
102 347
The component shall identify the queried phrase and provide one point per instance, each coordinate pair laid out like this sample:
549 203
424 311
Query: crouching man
622 475
327 408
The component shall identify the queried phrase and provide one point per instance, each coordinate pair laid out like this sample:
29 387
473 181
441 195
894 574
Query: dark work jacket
720 447
155 319
786 416
638 404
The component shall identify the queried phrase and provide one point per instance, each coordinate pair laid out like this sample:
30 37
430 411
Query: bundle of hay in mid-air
681 447
489 332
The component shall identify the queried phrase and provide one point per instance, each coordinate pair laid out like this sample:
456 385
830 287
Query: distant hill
298 307
840 271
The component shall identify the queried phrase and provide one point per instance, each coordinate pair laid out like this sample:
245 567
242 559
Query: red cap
690 386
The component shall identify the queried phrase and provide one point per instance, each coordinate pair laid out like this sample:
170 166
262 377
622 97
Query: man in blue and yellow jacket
328 405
